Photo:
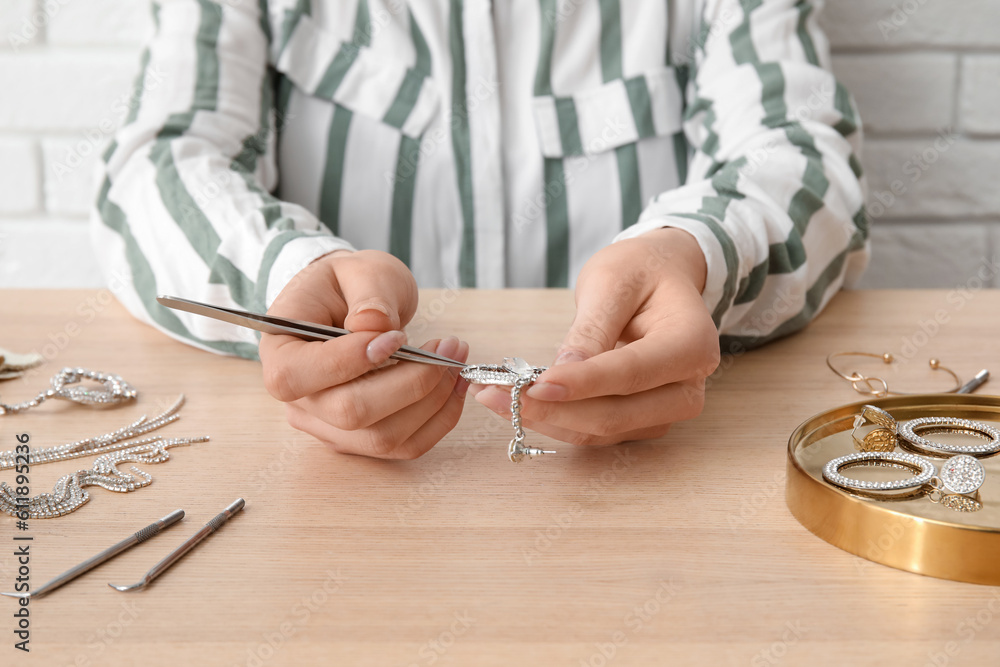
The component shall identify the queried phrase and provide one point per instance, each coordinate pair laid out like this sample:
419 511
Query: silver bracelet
113 391
517 374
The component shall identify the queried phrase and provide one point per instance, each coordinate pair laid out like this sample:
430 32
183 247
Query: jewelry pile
115 447
956 485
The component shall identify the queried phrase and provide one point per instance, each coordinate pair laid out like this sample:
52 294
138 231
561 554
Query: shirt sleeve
774 193
184 204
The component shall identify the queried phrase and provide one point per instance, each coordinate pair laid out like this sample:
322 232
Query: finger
313 294
417 444
379 290
610 415
591 440
397 435
434 429
294 368
577 437
603 309
376 395
669 351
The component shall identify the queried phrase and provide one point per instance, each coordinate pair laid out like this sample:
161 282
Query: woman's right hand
340 391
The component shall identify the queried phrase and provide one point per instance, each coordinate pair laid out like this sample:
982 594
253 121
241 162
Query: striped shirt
486 144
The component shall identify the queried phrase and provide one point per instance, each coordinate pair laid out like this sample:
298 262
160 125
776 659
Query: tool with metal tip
283 325
106 555
179 552
975 383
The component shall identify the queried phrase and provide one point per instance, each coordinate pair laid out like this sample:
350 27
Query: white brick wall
65 66
926 74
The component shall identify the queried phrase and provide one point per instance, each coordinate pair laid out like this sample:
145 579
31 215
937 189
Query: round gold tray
943 540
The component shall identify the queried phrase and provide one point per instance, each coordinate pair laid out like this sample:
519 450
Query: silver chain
517 374
113 391
68 493
114 448
107 442
516 449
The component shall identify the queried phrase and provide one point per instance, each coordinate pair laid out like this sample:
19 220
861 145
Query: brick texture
19 176
47 253
932 178
69 174
886 24
54 91
892 89
959 251
19 26
980 100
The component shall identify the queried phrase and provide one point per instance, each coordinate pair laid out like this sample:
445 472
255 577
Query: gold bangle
870 385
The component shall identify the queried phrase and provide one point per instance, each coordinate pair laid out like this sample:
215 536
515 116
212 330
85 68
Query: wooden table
675 552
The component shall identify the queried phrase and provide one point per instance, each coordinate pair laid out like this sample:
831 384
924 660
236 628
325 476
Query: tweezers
106 555
305 330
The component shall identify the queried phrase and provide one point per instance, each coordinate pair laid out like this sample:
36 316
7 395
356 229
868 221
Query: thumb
379 296
602 313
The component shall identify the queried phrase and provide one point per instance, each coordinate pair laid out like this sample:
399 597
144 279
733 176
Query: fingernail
375 305
384 345
547 391
448 347
461 387
463 352
567 356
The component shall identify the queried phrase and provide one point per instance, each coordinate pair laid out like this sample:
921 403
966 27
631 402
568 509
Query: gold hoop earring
870 385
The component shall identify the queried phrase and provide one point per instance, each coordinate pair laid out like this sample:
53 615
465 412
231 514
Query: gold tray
912 534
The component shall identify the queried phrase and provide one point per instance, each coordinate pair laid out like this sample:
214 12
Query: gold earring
870 385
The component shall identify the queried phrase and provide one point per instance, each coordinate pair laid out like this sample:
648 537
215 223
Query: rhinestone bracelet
113 391
517 374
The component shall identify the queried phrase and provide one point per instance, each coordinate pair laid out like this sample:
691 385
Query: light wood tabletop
679 551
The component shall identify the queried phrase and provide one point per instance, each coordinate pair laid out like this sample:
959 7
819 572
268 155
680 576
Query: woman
688 168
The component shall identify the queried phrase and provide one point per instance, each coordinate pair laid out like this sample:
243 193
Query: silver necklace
65 385
517 374
115 447
68 494
107 442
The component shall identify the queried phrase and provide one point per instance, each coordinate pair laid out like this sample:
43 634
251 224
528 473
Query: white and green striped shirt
487 144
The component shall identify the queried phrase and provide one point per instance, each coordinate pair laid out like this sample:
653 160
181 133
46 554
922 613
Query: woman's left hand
638 352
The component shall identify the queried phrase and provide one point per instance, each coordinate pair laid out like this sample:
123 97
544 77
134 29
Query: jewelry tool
975 383
179 552
514 373
304 330
149 531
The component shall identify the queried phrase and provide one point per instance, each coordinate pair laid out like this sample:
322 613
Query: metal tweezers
304 330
